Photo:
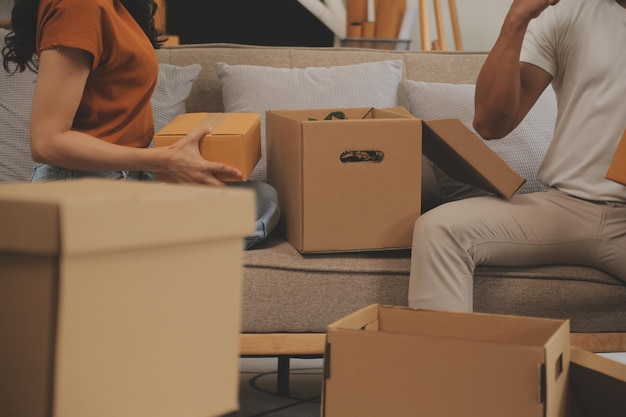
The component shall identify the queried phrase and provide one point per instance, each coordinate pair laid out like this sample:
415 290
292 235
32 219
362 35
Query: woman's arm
61 80
506 89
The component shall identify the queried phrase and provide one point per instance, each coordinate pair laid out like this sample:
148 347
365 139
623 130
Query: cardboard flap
351 113
465 157
365 318
597 386
617 170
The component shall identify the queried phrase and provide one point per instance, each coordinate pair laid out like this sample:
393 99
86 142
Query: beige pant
548 227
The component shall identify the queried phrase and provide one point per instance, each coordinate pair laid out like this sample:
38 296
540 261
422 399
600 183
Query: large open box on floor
346 185
395 361
120 298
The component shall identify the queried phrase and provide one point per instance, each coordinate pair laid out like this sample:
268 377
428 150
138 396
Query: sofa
289 297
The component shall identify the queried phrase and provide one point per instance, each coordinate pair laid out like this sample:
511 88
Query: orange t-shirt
115 106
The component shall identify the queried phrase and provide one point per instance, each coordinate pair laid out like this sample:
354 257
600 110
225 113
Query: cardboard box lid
89 215
221 123
597 386
465 157
617 169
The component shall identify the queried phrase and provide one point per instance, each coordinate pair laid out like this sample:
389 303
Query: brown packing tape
389 16
356 12
617 169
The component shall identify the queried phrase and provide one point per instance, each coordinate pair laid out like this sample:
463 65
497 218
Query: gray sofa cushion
285 291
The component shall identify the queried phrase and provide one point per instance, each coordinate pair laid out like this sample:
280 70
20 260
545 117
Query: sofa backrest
206 96
445 67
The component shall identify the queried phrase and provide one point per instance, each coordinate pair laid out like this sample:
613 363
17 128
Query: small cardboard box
397 361
346 185
235 139
465 157
120 298
617 170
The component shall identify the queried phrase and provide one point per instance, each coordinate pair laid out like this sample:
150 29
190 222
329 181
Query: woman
97 69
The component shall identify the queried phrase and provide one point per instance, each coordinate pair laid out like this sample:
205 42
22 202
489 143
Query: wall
5 9
480 22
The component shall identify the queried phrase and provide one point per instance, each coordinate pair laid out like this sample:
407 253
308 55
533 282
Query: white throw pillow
257 89
172 90
16 96
523 149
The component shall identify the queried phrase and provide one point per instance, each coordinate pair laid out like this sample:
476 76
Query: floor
258 388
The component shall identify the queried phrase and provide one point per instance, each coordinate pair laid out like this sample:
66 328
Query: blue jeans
268 211
45 172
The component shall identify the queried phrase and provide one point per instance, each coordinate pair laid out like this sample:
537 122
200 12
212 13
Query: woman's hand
185 163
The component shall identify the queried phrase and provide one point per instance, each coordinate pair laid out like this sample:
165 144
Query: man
578 46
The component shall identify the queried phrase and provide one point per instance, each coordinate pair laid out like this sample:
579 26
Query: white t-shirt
582 44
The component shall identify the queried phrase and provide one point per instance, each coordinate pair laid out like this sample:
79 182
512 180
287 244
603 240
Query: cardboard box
397 361
617 170
235 139
346 185
465 157
120 298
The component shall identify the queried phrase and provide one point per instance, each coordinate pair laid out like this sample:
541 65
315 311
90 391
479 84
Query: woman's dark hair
20 42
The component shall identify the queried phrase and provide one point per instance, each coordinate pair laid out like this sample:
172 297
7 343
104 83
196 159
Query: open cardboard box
235 139
355 184
395 361
346 185
120 298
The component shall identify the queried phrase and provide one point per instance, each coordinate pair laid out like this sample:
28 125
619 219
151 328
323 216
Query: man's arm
506 89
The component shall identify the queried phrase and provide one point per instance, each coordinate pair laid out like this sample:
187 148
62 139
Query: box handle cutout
348 157
558 367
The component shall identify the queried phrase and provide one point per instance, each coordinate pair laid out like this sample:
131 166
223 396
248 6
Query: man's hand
530 9
188 166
